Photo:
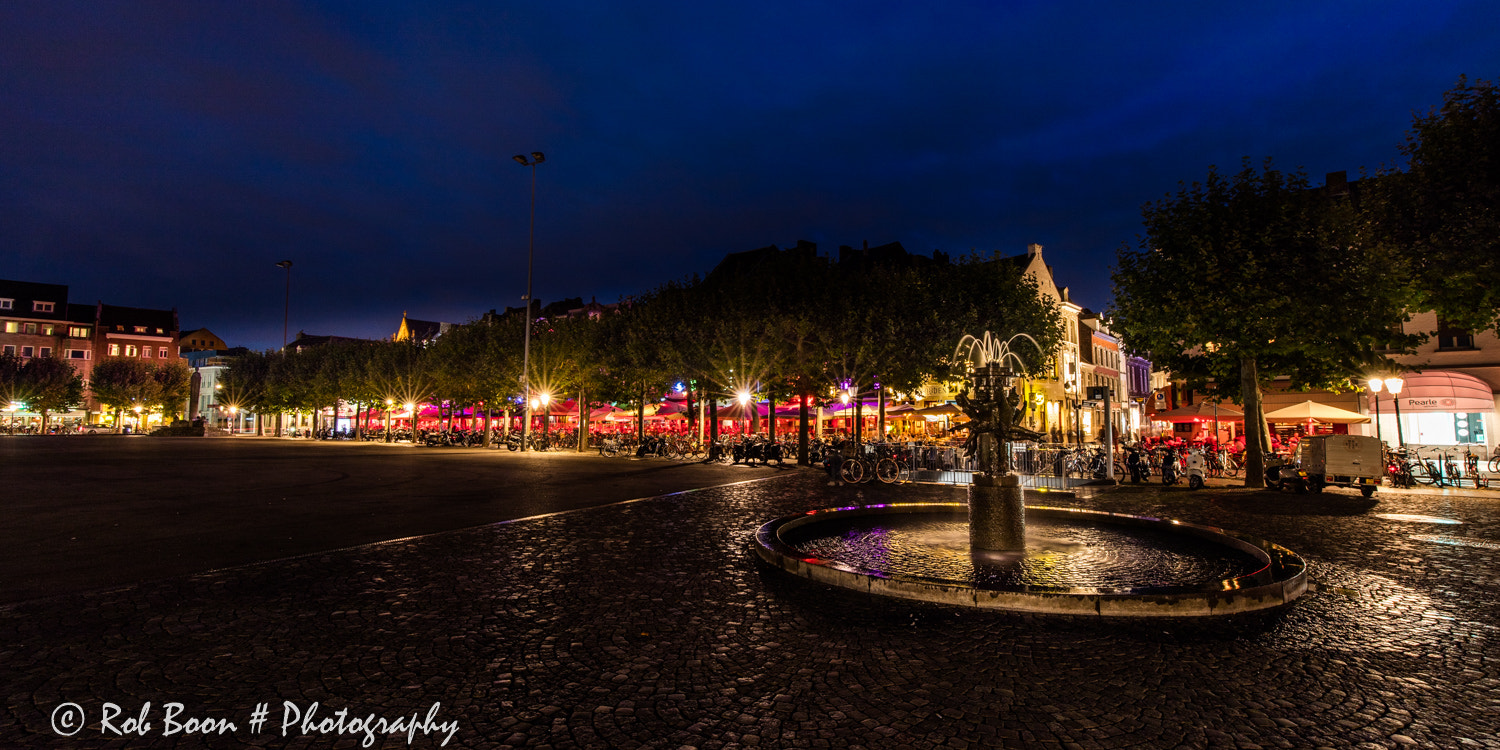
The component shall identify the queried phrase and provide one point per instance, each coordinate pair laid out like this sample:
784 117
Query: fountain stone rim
1281 579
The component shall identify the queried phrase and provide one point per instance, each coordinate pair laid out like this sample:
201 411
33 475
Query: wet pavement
648 624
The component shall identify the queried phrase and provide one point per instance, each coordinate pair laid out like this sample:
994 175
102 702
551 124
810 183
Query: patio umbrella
941 410
1202 411
1312 411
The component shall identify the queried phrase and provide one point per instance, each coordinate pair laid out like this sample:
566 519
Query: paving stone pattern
648 624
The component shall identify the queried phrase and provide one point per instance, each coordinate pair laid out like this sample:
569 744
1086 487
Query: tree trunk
119 415
770 418
1255 424
583 421
879 414
486 420
802 430
640 417
713 428
859 418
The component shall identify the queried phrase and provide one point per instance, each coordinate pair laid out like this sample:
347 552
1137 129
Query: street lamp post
286 313
1394 386
536 158
1375 385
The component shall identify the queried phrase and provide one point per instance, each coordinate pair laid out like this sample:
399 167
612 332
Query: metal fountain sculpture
997 510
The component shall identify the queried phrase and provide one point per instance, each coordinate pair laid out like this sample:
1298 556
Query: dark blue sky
167 154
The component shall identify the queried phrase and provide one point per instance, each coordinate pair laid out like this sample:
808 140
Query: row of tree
1241 279
47 385
780 324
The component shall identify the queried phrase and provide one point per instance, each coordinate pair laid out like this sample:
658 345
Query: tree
121 383
1443 213
49 384
1242 279
169 390
245 385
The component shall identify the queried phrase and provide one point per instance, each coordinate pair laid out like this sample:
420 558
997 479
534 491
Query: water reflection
1057 554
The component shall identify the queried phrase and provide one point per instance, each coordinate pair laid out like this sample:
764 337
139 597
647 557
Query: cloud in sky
167 154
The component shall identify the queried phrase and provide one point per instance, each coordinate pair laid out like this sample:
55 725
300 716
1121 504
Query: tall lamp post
536 158
1375 385
1394 386
286 313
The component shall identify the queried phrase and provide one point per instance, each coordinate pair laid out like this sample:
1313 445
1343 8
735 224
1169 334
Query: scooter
1283 473
1135 461
1196 469
1169 466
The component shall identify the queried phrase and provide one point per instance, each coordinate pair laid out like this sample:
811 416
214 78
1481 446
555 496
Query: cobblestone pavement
647 624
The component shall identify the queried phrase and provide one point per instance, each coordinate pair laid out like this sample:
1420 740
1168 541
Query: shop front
1437 408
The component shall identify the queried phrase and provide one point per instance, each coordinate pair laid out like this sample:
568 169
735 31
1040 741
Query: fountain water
1074 562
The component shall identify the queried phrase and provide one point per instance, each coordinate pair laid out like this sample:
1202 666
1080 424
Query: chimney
1033 249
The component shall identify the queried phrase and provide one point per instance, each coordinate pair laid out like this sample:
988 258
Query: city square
778 375
579 601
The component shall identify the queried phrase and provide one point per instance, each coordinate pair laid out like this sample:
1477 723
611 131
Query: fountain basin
1078 562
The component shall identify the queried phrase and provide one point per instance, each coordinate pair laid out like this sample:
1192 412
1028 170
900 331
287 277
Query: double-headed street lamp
536 158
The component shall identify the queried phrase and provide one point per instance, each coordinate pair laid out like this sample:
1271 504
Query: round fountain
996 552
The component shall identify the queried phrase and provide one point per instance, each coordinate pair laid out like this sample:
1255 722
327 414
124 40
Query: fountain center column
997 514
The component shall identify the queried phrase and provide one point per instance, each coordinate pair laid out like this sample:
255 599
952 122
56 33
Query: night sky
167 154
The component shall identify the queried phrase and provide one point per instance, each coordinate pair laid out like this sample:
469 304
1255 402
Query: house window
41 307
78 354
146 352
162 352
49 330
46 352
7 304
26 351
130 350
1450 337
29 328
78 332
9 351
12 326
140 329
114 350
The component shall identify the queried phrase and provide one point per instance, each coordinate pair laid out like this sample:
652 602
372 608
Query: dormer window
43 307
7 304
140 329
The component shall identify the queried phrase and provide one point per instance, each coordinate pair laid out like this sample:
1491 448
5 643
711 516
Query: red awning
1439 391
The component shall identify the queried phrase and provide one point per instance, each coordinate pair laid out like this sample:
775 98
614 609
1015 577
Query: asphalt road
89 512
649 624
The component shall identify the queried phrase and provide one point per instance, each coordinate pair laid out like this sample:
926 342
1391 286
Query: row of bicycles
1438 467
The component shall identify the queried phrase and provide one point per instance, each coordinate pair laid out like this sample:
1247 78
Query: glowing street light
536 158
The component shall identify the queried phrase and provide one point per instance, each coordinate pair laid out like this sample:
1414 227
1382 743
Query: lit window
140 329
41 307
78 332
130 350
49 330
12 326
114 350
